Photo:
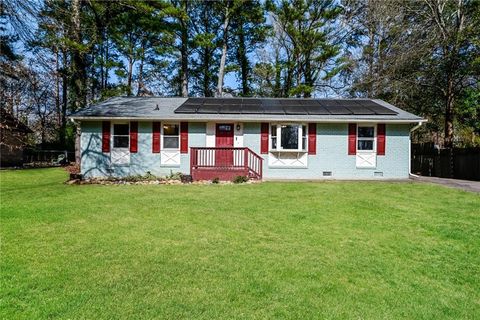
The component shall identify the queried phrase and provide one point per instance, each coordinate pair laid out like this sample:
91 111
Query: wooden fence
457 163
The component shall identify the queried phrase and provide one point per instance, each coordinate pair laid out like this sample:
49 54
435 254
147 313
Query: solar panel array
283 106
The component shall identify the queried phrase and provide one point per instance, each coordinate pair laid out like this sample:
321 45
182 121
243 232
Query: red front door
224 138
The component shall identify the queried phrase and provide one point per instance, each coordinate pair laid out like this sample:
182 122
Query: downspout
410 149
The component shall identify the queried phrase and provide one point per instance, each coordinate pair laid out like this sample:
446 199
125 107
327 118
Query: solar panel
273 110
317 110
251 101
273 106
214 101
298 109
284 106
358 109
230 108
252 108
335 108
208 109
187 108
381 110
195 100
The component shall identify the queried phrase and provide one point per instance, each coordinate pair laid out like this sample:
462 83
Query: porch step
224 163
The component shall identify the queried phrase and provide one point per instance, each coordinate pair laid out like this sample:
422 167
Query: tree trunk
243 60
184 54
278 75
141 85
221 70
308 77
105 85
79 73
130 76
63 127
206 72
449 115
57 89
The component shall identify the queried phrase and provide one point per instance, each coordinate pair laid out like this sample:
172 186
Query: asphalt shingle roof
245 109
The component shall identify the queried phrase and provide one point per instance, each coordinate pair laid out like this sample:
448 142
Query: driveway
467 185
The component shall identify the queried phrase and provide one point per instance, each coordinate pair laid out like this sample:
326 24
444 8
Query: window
171 136
304 137
288 137
121 136
225 127
273 134
366 138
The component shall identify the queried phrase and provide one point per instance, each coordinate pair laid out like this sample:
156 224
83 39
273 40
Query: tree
205 23
306 32
250 30
421 55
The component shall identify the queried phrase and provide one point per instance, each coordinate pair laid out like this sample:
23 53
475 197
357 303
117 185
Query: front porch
224 163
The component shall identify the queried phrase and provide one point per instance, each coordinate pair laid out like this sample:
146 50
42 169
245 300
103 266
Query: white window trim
279 137
374 139
112 130
162 136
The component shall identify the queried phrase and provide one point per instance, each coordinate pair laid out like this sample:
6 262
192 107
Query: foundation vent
378 174
327 173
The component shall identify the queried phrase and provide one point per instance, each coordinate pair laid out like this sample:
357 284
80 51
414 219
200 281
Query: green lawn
351 250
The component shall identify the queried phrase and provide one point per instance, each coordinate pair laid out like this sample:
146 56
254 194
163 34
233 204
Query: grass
333 250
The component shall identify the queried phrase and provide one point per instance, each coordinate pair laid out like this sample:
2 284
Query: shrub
186 178
150 176
174 176
240 179
216 180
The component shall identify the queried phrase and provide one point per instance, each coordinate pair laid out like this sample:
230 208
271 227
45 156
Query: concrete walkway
467 185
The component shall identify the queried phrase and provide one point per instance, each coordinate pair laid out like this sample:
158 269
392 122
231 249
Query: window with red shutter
264 138
134 136
106 136
312 138
352 139
156 137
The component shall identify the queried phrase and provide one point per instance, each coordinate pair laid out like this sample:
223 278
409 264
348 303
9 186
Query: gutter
410 148
207 119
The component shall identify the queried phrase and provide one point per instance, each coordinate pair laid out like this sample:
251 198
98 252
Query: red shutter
312 138
134 136
264 138
156 137
183 137
106 136
352 139
381 139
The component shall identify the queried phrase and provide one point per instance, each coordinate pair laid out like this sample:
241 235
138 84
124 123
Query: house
13 138
260 138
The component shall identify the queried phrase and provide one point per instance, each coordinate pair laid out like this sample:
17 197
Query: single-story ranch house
255 137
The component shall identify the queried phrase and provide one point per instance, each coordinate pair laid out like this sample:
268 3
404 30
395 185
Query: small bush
240 179
186 178
174 176
216 180
149 176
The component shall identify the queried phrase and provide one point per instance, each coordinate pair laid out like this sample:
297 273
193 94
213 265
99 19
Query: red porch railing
224 163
